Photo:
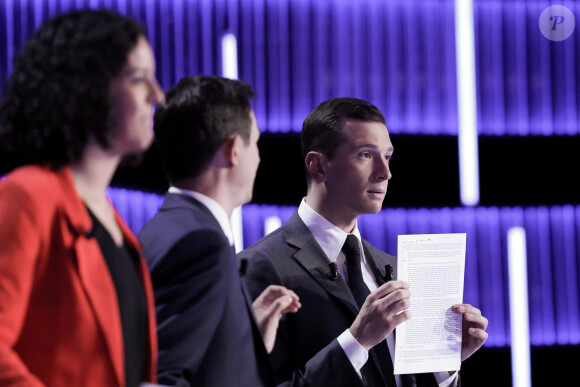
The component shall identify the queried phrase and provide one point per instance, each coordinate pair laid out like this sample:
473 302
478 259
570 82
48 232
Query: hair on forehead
322 130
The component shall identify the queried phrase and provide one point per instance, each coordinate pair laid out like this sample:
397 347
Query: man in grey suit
207 136
348 312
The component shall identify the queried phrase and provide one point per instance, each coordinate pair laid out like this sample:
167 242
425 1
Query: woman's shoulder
37 178
36 183
41 194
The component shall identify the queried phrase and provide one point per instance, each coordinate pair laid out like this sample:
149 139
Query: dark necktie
360 291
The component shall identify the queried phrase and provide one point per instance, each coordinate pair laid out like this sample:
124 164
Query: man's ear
231 149
316 166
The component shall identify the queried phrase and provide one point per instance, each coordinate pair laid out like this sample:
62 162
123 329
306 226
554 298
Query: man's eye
365 155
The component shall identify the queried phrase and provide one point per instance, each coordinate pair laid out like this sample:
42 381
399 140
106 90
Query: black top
123 263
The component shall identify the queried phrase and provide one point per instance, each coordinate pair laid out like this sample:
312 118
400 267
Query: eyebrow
136 69
373 146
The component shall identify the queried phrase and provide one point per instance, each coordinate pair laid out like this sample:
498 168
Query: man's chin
375 208
246 201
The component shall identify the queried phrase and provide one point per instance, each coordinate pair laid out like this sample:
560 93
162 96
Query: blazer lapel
94 274
311 257
102 297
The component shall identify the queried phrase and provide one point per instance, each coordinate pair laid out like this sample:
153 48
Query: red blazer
60 323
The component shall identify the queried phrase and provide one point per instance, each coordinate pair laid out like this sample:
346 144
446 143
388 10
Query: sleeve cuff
355 352
444 380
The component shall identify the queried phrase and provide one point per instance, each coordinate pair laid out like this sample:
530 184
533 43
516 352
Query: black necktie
360 291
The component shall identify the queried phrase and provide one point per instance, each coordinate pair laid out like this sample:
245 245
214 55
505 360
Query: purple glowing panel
135 207
185 34
254 219
541 297
398 55
526 83
565 274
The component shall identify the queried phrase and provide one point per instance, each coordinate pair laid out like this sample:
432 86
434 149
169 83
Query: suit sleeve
19 252
329 364
191 285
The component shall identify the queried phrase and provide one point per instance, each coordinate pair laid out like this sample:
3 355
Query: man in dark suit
207 139
348 311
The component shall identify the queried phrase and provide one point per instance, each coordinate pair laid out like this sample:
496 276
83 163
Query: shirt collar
214 207
329 237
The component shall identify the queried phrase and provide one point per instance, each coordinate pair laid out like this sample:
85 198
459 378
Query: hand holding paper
383 310
473 331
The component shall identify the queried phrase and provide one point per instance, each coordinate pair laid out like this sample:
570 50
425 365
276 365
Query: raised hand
269 307
473 329
381 312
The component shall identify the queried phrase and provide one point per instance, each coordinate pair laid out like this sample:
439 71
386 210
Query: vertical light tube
466 103
519 324
272 223
230 70
229 56
9 30
237 228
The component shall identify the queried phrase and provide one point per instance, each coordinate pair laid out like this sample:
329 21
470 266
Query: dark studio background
527 171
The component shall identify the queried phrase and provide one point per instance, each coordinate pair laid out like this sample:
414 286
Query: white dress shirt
331 239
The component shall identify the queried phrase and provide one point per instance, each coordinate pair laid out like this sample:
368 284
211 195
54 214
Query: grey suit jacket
306 345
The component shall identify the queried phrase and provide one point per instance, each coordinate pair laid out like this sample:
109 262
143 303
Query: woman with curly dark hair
76 305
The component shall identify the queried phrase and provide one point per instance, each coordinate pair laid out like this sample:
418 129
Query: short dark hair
57 96
322 130
199 114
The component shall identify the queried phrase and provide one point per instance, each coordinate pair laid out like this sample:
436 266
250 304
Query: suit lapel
311 257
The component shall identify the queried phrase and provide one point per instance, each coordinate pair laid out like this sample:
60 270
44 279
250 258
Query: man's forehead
363 133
